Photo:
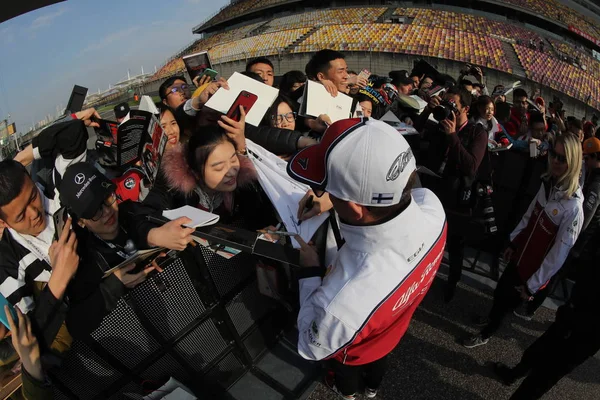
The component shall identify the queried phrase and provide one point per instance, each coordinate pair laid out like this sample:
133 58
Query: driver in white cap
356 310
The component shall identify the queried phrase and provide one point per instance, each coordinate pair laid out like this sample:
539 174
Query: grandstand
556 54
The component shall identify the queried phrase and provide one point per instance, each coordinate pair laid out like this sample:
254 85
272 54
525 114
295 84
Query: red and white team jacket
545 235
361 309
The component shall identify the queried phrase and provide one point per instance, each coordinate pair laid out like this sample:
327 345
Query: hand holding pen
311 206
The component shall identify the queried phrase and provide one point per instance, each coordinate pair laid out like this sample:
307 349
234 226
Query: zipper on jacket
345 356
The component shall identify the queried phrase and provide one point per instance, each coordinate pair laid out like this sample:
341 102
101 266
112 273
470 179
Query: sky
88 43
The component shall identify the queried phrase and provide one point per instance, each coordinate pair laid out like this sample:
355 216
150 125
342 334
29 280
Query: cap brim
309 165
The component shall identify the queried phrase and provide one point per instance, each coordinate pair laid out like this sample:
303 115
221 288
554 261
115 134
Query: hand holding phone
60 218
210 72
246 100
365 74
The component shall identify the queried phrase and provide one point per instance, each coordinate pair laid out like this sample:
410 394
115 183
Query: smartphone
210 72
60 218
3 316
244 99
364 74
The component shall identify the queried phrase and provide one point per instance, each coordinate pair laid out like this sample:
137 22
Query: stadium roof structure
11 9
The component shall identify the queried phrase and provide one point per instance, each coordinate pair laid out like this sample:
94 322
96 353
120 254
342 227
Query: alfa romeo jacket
546 234
361 309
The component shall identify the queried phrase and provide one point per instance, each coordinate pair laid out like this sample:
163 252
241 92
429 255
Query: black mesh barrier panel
196 322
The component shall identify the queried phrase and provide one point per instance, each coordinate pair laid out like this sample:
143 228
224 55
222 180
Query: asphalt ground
429 363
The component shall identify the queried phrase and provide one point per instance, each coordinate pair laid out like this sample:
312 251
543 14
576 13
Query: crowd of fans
355 311
424 31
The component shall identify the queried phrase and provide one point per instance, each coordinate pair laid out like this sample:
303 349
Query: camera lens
441 113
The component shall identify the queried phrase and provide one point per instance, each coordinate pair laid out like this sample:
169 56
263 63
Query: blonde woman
541 242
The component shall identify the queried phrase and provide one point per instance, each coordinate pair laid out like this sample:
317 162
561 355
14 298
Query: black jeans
348 377
506 299
553 355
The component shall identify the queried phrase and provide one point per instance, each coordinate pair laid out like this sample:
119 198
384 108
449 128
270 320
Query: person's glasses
289 117
558 157
180 89
107 203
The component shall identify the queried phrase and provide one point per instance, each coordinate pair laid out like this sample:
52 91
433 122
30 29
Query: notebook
199 217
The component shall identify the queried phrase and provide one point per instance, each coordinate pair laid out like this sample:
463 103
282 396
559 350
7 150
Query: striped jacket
20 269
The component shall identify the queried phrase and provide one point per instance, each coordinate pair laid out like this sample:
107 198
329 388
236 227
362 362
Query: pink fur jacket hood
181 177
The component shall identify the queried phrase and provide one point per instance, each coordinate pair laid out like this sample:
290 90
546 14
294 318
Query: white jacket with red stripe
546 234
361 309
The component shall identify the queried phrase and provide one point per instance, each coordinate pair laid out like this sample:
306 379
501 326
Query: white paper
223 99
284 192
422 103
172 386
199 217
318 101
390 117
146 104
404 129
179 394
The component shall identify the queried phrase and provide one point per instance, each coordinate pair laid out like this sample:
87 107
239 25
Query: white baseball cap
361 160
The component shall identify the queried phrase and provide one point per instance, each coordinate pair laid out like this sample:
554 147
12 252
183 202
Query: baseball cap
121 110
83 189
401 77
361 160
591 145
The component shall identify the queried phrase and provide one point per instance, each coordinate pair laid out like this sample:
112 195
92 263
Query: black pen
307 207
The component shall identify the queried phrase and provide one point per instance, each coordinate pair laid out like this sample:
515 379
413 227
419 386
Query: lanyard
39 253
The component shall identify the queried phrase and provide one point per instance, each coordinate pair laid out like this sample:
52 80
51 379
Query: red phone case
244 99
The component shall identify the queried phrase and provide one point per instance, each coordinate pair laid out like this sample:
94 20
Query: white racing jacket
546 234
361 309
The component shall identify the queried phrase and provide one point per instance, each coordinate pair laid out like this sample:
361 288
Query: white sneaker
370 393
475 341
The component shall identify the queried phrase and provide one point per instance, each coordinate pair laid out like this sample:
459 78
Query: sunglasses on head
558 157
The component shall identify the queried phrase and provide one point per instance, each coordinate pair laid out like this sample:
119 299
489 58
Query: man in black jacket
457 148
106 236
570 341
591 191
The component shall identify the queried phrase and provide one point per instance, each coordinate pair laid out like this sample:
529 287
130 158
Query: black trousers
506 299
348 377
455 244
553 355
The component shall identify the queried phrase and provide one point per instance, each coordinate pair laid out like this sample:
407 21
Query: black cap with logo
121 110
83 189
